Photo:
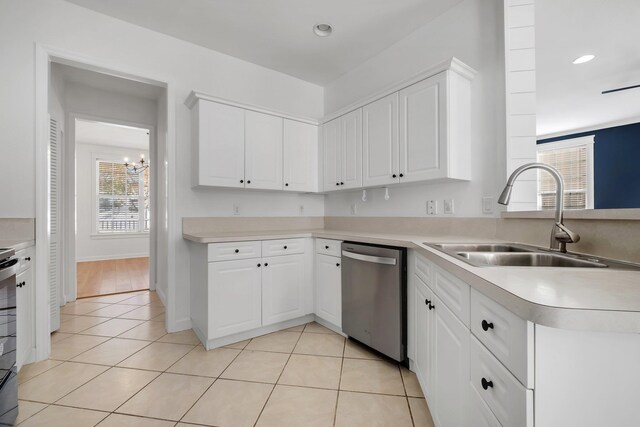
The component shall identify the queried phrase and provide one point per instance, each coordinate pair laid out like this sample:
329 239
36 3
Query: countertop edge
589 319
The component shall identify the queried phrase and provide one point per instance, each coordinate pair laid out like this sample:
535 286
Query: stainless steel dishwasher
374 297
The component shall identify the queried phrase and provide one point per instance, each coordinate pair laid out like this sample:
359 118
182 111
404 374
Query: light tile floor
113 364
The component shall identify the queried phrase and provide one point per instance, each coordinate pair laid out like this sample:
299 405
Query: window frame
96 233
583 141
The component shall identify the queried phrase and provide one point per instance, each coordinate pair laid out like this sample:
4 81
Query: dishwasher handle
370 258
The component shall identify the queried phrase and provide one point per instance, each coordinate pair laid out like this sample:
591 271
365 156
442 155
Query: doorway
113 208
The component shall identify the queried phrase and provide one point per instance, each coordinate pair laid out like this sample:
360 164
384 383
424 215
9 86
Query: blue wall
616 165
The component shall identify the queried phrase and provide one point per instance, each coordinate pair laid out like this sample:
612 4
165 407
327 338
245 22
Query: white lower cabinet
479 413
25 316
282 288
450 367
329 289
424 335
235 295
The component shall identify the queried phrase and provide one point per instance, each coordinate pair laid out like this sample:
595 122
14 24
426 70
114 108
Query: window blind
572 165
122 207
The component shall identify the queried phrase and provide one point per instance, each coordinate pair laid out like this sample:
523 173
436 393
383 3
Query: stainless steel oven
8 372
374 297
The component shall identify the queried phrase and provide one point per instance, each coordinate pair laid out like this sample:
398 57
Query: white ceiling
106 82
278 34
569 96
99 133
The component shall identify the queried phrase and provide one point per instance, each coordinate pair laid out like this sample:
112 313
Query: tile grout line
406 395
335 412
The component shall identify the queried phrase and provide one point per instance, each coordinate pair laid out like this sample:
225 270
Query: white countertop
600 299
16 244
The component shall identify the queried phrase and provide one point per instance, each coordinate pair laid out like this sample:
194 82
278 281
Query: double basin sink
519 255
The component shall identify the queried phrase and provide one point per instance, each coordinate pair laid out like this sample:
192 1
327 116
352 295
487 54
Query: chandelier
136 168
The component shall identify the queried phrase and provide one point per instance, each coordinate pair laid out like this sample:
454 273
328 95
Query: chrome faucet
560 235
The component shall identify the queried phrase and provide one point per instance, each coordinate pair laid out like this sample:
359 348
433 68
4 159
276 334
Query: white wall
123 46
90 247
473 32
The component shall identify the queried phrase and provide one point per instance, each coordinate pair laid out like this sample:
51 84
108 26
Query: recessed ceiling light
583 59
322 30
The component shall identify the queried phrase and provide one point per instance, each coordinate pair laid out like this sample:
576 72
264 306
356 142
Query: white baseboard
110 257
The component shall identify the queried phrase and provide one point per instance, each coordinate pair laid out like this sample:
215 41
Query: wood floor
112 276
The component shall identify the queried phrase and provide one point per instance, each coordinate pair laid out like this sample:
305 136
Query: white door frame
68 238
165 191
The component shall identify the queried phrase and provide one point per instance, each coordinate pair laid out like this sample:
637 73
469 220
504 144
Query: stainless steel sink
484 247
527 259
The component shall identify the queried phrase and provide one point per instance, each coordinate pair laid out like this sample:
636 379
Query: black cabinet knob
237 250
266 264
427 301
248 181
337 264
341 183
326 247
241 181
486 384
486 325
394 176
431 306
285 247
401 175
28 258
337 183
21 284
258 265
286 184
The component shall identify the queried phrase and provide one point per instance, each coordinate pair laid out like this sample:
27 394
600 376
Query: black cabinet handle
486 325
28 258
248 181
241 181
427 301
394 176
286 184
486 384
21 284
237 250
258 265
337 264
337 183
401 175
266 264
341 183
431 306
326 247
285 247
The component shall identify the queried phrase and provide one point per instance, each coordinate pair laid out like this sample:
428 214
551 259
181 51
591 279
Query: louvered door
54 247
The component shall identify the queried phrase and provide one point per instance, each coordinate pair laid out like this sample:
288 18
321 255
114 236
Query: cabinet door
424 321
329 289
220 141
25 316
263 151
330 158
235 294
282 288
479 412
450 367
423 118
380 142
351 150
300 156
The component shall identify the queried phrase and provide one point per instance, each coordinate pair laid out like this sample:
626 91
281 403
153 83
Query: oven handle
370 258
8 269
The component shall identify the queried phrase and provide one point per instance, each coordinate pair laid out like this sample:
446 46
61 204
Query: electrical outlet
301 210
487 205
354 209
432 207
448 206
236 209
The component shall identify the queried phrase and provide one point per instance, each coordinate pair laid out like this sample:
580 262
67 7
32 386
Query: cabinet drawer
282 247
507 336
510 401
25 258
234 250
453 292
424 269
328 247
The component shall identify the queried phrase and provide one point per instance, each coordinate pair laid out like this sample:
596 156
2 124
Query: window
573 158
122 199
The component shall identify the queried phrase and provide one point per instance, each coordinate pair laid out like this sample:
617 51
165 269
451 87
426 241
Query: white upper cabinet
263 151
330 154
351 150
218 132
300 156
380 164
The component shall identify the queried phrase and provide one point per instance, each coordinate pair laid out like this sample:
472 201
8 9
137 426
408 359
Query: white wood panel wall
520 63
